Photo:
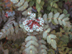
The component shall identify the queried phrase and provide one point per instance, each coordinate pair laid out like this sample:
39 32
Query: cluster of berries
32 23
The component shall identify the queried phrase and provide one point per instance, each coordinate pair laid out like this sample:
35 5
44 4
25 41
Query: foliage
22 4
49 28
32 45
51 37
8 28
4 51
68 7
47 5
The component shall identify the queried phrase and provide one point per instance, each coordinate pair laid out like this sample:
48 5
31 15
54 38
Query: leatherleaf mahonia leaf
50 15
45 18
53 44
65 11
50 38
46 33
59 10
22 5
67 15
59 19
55 5
55 17
10 28
53 22
14 1
38 7
51 4
31 3
30 45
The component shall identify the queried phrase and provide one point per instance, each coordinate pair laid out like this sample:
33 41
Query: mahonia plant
51 38
31 24
22 5
56 19
33 46
38 5
10 27
47 5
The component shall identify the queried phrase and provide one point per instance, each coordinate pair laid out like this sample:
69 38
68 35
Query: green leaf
50 37
61 30
38 7
55 0
53 44
67 49
45 18
65 0
55 5
52 51
55 10
67 15
50 16
70 52
59 10
39 14
51 4
28 0
70 36
52 9
45 35
49 8
53 22
65 39
55 17
38 1
60 4
71 29
65 11
31 3
42 3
